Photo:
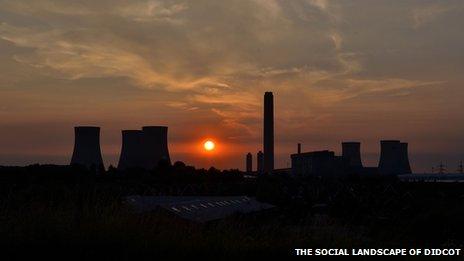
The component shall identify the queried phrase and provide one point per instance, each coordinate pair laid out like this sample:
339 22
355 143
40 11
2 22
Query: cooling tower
404 159
260 162
131 150
268 135
249 163
155 146
87 147
390 157
351 151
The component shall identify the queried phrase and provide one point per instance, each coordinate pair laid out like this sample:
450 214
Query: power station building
155 146
317 164
404 161
145 148
131 150
351 151
87 147
394 158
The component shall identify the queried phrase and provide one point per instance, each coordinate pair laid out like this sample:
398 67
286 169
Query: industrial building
394 158
351 151
155 146
404 159
87 147
131 150
145 148
198 209
317 163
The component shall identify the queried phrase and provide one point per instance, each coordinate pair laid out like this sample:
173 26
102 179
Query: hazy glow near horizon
393 71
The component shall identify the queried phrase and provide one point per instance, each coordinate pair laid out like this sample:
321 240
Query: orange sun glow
209 145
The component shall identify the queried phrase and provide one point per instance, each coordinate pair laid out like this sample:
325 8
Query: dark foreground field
68 211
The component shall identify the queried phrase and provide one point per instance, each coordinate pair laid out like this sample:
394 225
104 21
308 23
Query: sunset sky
340 70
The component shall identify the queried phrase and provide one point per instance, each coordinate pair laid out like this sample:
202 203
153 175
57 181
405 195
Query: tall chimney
249 163
268 142
299 148
351 151
131 150
390 155
260 162
155 146
87 147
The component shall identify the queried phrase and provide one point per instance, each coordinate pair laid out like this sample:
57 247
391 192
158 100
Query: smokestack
351 151
390 155
268 132
155 146
87 147
260 162
299 148
131 150
404 159
249 163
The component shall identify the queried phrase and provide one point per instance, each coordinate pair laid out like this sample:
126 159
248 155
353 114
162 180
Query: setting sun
209 145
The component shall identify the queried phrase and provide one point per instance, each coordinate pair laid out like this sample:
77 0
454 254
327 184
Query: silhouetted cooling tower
404 160
249 163
260 162
268 137
131 150
155 146
87 147
390 157
351 151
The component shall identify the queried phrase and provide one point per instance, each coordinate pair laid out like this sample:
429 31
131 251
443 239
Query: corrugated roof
200 209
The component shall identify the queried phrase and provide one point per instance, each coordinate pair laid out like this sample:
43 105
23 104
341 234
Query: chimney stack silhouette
131 150
351 151
268 141
87 147
155 146
249 163
260 162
